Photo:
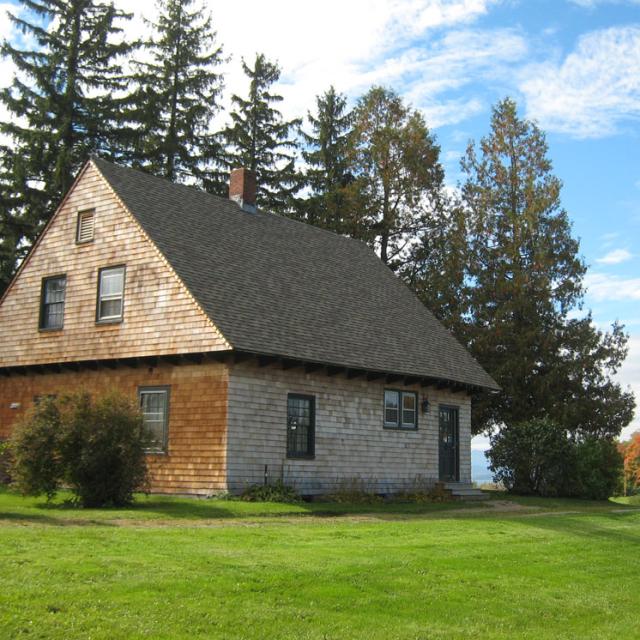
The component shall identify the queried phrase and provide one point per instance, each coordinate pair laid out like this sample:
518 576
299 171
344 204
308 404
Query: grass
181 568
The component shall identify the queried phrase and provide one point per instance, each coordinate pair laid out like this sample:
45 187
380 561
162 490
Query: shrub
96 448
353 491
272 492
596 470
539 457
36 467
531 458
5 462
424 492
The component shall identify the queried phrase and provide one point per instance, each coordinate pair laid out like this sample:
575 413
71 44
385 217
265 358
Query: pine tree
177 96
327 157
525 276
261 140
437 267
62 107
399 179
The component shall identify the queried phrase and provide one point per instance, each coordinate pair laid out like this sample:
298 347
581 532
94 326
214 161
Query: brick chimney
242 189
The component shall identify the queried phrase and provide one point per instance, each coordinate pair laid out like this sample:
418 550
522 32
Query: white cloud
602 287
593 91
629 375
423 48
592 4
355 44
615 257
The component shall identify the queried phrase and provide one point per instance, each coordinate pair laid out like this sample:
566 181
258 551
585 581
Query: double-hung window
110 294
301 418
154 404
52 302
400 409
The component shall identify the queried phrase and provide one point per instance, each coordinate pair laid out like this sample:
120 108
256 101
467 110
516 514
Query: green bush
5 462
272 492
353 491
531 458
95 448
539 457
597 469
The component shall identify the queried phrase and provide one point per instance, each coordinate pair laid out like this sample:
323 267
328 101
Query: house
259 347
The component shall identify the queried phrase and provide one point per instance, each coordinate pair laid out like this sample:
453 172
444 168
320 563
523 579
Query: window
84 232
52 302
154 404
110 294
301 420
400 409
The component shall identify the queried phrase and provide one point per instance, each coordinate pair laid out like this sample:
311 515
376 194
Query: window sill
84 242
399 428
300 457
101 323
50 330
155 452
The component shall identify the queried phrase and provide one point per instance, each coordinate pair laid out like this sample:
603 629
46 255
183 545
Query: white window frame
86 214
111 296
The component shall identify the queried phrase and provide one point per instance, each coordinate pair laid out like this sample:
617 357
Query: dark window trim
41 328
399 426
93 237
164 450
311 437
124 284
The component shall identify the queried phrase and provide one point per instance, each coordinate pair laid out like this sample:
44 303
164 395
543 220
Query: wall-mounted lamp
425 406
14 405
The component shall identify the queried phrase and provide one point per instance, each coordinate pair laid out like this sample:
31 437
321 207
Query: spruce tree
61 107
398 176
177 96
327 157
261 140
525 286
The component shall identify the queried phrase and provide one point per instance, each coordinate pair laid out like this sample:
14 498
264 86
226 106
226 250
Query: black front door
449 448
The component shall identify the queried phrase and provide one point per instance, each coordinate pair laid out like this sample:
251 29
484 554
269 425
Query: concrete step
464 491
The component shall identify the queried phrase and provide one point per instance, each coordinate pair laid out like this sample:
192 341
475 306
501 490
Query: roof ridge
203 192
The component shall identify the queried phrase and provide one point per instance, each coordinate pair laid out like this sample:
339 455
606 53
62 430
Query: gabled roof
275 286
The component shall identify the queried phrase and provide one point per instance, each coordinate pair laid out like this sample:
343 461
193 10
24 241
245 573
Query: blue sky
572 65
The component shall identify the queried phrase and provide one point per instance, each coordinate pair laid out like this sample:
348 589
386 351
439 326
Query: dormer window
110 294
85 228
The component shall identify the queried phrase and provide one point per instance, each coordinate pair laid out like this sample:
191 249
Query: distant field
178 568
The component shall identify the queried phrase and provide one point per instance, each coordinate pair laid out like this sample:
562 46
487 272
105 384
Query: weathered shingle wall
195 461
160 317
350 440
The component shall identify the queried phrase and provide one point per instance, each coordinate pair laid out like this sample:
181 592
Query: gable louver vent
85 226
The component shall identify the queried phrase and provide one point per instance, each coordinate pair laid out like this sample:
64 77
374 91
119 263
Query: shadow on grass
62 511
584 525
36 518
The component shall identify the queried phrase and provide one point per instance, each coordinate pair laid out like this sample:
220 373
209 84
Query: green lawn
179 568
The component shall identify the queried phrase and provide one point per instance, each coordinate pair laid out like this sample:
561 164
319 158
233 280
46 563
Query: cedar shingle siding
215 300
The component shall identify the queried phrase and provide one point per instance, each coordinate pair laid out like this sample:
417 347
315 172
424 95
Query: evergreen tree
261 140
437 268
525 277
399 179
327 157
61 108
177 96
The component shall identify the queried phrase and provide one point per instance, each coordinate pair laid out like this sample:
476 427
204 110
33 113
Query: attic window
85 226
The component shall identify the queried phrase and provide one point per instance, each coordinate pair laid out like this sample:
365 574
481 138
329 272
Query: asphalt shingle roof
275 286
